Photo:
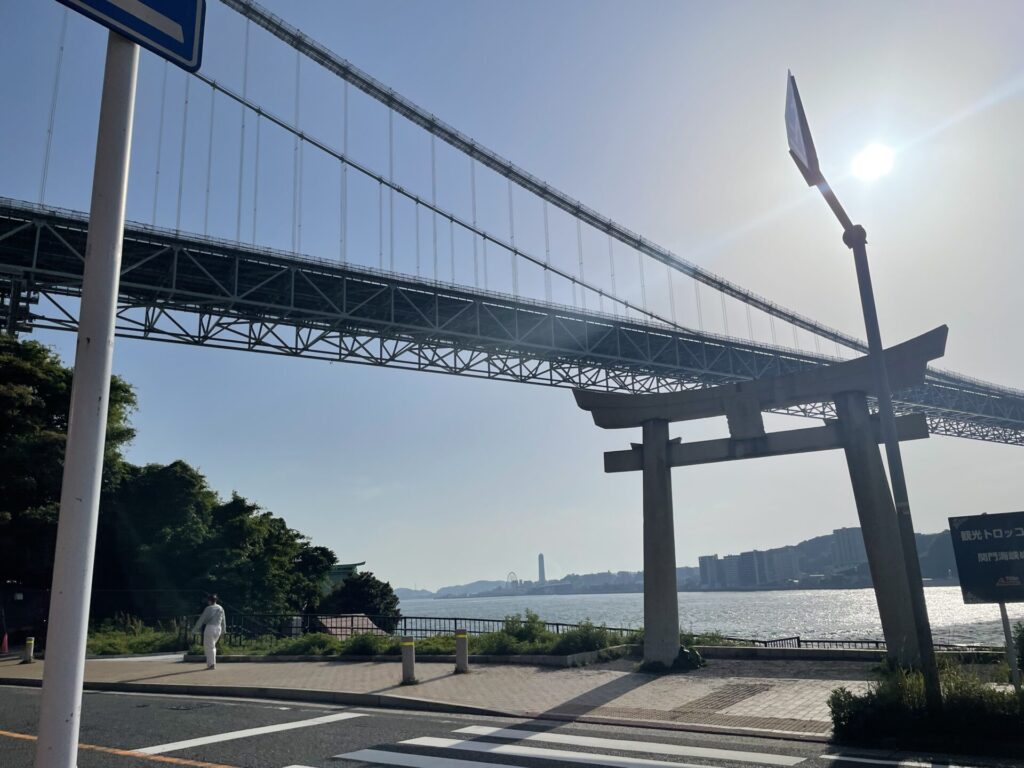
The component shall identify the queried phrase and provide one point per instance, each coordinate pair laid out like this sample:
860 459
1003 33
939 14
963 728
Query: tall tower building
540 568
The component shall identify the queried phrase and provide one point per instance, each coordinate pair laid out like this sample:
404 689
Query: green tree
153 528
260 565
364 593
165 538
168 540
35 395
312 567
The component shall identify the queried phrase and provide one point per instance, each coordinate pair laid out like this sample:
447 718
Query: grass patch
690 639
976 716
528 636
125 634
519 635
312 644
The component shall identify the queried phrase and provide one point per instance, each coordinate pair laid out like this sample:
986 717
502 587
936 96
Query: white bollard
30 649
408 661
461 651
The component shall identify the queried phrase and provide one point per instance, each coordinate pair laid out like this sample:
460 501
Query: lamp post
801 149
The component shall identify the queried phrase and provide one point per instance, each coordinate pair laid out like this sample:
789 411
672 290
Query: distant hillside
934 549
409 594
815 554
936 553
815 557
473 588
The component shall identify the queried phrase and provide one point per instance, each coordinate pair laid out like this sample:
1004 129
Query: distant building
731 571
782 565
540 569
848 548
755 568
338 573
710 571
752 572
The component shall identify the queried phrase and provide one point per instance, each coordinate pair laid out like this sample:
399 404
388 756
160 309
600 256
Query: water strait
811 614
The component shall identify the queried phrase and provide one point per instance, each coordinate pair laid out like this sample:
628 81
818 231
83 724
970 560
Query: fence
879 645
256 627
269 627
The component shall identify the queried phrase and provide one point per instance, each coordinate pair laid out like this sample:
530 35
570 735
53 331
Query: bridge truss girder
189 290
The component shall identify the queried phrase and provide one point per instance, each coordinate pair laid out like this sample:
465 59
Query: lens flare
873 162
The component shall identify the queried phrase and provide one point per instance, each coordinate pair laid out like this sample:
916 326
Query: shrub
586 637
974 715
391 646
313 644
522 638
529 630
436 644
126 634
362 645
687 659
496 644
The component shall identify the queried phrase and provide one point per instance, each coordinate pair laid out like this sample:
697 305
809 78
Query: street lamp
801 149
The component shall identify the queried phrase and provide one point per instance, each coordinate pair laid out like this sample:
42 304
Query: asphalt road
207 732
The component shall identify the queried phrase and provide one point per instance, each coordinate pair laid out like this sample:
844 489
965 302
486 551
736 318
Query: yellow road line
127 753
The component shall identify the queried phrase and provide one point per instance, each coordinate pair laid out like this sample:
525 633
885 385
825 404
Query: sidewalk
780 698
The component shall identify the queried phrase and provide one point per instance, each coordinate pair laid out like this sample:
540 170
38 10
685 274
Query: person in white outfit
213 624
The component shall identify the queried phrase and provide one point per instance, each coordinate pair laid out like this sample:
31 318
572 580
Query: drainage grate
724 697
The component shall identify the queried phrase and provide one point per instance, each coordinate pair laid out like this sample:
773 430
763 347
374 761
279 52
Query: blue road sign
172 29
989 551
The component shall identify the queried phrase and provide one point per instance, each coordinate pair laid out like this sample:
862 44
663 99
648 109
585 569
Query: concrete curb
571 660
376 700
662 725
386 701
868 655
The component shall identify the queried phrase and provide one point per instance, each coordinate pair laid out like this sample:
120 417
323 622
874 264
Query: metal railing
255 627
864 644
269 627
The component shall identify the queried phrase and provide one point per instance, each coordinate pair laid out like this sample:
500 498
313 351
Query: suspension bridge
399 242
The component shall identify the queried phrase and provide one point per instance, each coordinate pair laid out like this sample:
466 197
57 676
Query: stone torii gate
848 384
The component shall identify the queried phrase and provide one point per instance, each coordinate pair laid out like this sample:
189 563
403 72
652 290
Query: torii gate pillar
661 598
879 527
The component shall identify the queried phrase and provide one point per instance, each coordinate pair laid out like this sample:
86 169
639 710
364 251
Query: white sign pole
1011 649
64 669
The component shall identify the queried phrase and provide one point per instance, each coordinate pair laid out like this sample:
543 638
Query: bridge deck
193 290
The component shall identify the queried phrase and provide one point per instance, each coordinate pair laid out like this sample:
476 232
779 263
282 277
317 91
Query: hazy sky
666 116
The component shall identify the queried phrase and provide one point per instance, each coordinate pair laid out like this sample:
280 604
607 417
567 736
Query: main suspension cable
53 104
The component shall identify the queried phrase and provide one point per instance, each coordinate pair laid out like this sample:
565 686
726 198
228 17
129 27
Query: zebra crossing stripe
624 745
174 746
840 758
407 760
540 753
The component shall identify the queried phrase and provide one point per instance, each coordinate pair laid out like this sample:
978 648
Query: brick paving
781 697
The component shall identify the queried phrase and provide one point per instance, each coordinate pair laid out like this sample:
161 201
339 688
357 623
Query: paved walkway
777 697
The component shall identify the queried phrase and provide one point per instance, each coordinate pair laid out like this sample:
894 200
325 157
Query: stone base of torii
855 430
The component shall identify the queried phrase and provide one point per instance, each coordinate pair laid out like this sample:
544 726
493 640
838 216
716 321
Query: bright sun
874 161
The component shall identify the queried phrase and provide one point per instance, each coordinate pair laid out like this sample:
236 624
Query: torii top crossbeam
906 364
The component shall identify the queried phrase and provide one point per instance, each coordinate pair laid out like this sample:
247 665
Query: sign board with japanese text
989 552
172 29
